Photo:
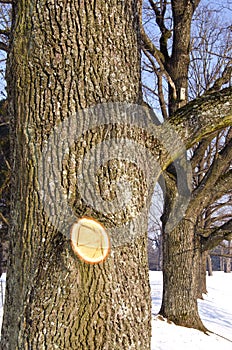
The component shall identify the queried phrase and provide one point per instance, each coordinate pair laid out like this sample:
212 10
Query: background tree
185 66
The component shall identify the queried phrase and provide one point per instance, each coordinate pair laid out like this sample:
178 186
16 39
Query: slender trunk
202 275
66 56
209 264
222 259
227 267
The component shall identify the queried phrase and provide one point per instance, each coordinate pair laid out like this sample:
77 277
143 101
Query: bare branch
160 86
194 121
3 46
221 255
165 33
225 78
215 178
217 235
150 47
203 116
163 71
5 32
2 217
199 151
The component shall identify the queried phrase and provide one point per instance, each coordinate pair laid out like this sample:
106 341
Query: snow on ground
215 311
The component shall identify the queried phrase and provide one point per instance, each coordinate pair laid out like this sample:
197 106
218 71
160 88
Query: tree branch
150 47
225 78
199 151
215 178
159 74
221 255
217 235
3 46
5 32
193 122
165 33
162 71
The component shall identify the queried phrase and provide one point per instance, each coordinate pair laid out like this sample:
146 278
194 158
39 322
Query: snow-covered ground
215 311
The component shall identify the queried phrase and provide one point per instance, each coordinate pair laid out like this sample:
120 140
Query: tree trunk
181 248
227 267
66 56
202 275
209 264
221 259
182 258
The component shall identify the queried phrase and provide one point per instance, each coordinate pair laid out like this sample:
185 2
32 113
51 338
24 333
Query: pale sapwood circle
90 240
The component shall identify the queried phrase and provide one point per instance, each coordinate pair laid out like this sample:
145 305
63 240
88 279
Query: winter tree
184 64
74 89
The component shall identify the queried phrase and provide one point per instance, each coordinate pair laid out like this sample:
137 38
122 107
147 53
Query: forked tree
66 61
189 193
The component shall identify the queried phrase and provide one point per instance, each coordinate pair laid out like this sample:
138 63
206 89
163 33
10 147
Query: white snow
215 311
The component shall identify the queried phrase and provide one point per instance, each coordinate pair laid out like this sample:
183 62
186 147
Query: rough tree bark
65 56
180 280
182 254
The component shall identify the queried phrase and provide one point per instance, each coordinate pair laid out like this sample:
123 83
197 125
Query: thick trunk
181 248
65 56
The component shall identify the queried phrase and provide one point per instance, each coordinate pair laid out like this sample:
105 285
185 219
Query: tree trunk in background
202 275
183 274
221 259
227 267
181 248
182 253
209 264
65 56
